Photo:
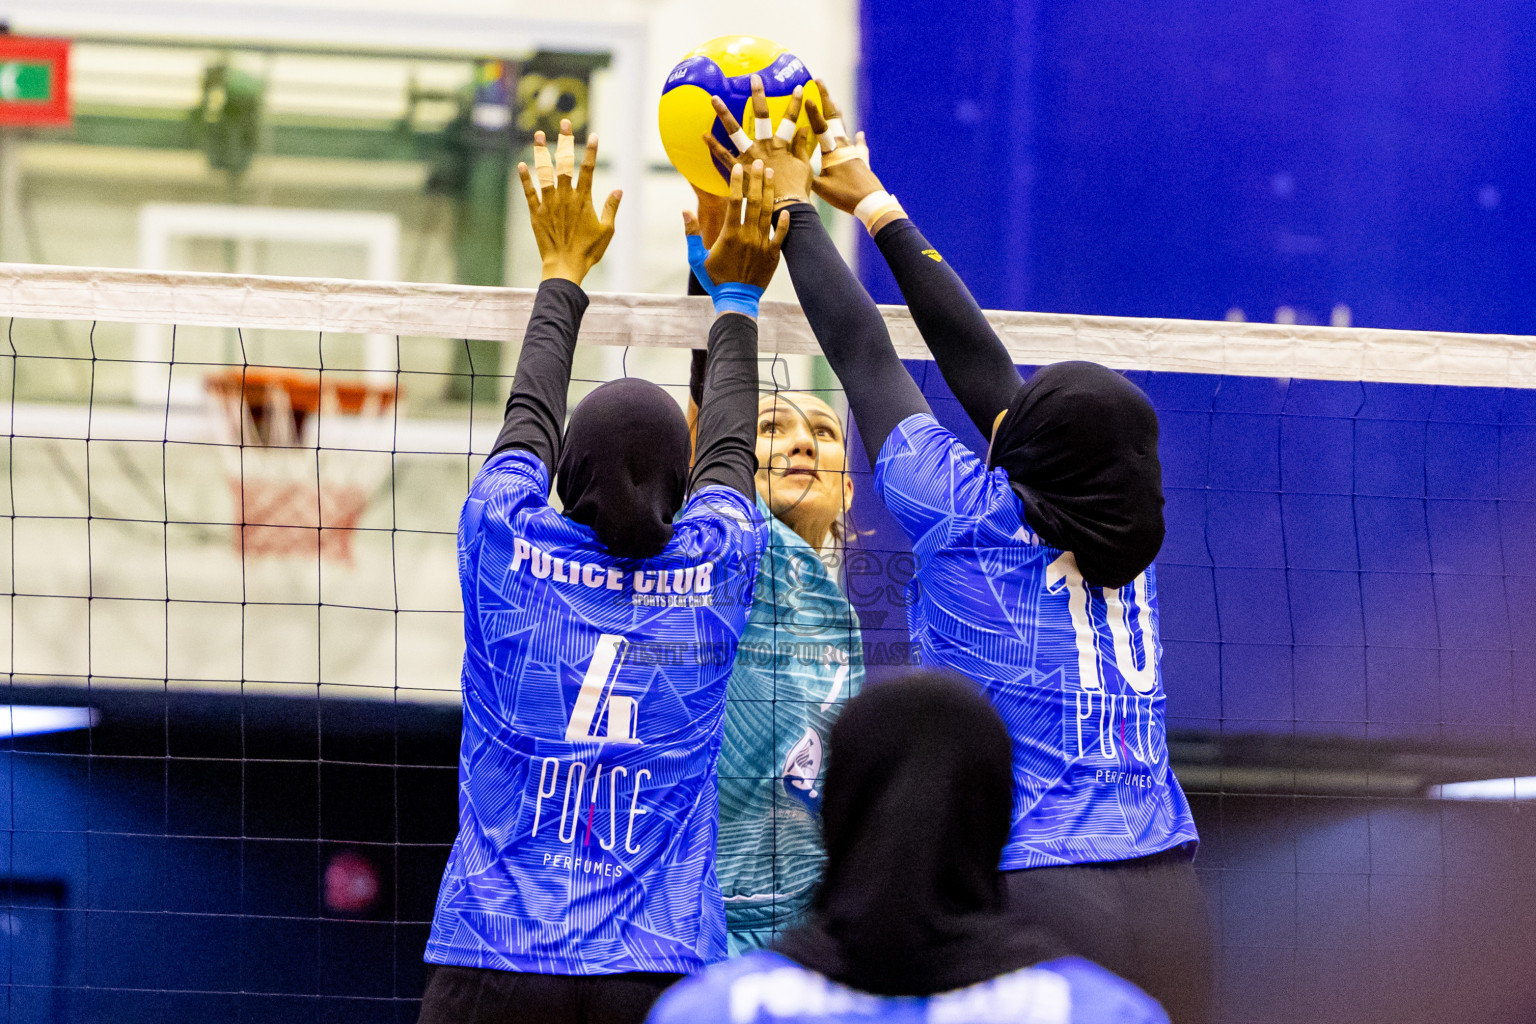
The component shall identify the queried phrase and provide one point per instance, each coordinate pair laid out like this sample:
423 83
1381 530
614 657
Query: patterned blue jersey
594 689
1072 669
766 988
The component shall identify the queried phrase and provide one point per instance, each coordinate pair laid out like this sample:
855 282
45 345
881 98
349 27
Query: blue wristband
697 254
735 297
731 297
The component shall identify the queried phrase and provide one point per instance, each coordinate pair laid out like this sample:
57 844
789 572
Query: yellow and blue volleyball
724 67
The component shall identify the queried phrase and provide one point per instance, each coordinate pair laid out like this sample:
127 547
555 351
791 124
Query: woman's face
802 465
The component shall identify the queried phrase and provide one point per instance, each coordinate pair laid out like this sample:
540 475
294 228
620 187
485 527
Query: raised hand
785 150
747 251
845 179
711 214
572 237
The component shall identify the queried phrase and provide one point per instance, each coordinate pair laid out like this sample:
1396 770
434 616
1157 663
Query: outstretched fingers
565 155
835 127
827 103
796 102
588 167
786 129
755 194
572 236
733 203
722 155
529 191
813 115
781 231
802 145
760 109
739 138
765 212
543 166
611 208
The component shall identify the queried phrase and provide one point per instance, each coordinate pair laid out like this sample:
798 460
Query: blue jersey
594 689
1072 668
766 988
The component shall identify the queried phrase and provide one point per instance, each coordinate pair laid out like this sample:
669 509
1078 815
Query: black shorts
1144 919
477 995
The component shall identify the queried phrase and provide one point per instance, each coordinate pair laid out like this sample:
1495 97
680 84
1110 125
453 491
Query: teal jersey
800 658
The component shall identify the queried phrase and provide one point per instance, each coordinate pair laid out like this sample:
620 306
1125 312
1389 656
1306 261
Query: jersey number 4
596 699
1084 604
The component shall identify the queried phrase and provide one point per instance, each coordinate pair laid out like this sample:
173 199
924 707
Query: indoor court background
255 826
1356 162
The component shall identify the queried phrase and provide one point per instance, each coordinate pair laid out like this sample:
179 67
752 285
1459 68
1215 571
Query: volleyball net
228 530
245 481
252 482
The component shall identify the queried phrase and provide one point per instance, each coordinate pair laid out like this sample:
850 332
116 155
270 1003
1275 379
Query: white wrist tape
763 128
843 154
786 130
874 206
740 140
872 202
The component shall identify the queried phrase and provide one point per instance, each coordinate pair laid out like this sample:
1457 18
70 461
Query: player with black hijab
1034 574
598 643
910 923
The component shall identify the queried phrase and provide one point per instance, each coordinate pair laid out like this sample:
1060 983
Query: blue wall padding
1181 159
193 887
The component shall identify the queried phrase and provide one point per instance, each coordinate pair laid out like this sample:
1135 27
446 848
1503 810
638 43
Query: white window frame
336 27
378 234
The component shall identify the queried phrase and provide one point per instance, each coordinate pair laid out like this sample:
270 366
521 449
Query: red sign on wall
34 81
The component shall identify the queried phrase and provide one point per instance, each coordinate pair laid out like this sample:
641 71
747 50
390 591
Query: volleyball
724 67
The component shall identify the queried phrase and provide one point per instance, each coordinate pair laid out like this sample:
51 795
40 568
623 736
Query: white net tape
500 314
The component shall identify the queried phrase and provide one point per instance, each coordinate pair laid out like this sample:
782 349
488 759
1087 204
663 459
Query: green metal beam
339 139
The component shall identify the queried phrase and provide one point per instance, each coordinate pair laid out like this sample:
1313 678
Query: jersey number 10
1084 604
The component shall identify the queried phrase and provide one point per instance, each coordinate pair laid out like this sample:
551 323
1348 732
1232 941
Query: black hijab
918 805
1079 443
624 466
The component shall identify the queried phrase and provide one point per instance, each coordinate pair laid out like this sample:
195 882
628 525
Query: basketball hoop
271 421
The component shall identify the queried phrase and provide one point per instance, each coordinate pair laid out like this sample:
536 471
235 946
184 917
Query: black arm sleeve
726 450
847 323
535 414
696 370
975 365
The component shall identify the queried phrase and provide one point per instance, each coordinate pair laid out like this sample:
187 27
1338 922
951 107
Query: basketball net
287 503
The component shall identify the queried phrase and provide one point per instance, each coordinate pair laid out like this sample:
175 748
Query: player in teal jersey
800 660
